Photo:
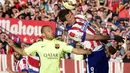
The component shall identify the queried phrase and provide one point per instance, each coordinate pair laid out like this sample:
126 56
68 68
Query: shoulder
37 43
80 16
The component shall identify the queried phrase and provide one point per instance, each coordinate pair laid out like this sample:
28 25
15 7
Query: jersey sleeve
77 35
81 17
31 49
66 47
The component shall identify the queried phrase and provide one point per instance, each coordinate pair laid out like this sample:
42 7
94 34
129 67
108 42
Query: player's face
48 33
70 18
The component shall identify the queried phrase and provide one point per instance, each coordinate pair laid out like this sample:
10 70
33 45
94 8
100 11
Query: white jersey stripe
82 26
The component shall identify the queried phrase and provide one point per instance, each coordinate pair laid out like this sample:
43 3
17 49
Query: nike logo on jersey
42 46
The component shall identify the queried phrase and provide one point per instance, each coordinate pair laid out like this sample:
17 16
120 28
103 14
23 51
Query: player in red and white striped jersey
82 31
79 25
20 65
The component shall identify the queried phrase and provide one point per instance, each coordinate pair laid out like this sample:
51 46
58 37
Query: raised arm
70 49
104 37
81 51
97 37
16 47
82 36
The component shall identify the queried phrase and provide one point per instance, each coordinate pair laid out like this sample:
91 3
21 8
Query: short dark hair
62 14
43 27
57 6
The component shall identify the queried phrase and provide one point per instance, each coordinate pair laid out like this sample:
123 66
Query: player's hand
119 38
89 51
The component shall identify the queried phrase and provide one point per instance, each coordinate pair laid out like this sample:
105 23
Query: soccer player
50 50
82 31
20 65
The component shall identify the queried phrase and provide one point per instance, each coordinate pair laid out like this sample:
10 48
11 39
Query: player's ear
43 34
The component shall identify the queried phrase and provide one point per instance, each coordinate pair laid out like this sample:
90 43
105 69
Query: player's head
66 15
47 32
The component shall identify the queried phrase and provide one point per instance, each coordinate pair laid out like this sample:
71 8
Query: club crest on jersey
57 46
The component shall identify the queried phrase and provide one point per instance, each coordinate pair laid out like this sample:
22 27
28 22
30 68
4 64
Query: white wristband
112 37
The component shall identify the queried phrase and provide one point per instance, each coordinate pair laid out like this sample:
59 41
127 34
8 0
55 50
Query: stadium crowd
106 16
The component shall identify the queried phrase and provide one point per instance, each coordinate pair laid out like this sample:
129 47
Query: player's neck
49 39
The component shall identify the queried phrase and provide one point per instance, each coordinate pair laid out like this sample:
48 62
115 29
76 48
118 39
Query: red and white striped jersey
21 65
104 31
79 30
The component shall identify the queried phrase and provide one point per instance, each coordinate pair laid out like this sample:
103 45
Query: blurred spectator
116 57
2 51
115 19
21 64
127 57
121 48
22 9
124 11
2 39
34 2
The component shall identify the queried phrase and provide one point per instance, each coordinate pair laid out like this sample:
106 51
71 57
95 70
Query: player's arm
26 51
81 36
78 35
104 37
70 49
16 47
81 51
